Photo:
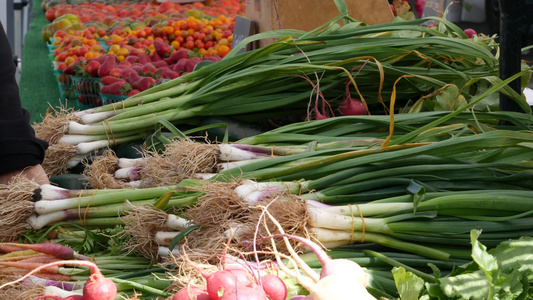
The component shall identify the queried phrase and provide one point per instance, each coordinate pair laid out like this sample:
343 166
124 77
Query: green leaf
178 238
418 191
409 285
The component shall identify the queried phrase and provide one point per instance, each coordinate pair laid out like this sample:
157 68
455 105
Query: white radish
340 279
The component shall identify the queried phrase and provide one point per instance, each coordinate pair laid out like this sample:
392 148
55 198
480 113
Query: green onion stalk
38 206
305 70
183 158
437 228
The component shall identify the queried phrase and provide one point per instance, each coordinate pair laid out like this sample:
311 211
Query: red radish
220 283
245 293
242 276
56 250
339 278
191 292
352 107
97 287
470 32
330 266
274 287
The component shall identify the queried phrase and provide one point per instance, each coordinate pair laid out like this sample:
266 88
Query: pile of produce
138 37
351 162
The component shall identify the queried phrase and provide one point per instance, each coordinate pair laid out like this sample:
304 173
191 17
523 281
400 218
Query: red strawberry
92 68
168 61
117 88
133 92
172 74
180 65
115 72
107 80
177 55
161 47
109 64
144 58
155 57
132 59
149 69
191 63
102 58
160 64
143 83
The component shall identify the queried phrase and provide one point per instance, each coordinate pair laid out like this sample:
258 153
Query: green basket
65 85
107 98
87 91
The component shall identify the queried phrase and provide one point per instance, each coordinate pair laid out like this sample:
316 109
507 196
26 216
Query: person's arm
20 150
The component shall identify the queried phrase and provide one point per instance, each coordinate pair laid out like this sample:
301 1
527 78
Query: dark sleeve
19 148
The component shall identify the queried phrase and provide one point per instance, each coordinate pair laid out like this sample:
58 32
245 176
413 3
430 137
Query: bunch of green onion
288 77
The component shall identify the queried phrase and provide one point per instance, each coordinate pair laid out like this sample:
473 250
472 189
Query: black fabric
19 148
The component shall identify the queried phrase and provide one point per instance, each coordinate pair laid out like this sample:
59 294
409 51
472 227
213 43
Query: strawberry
133 92
132 77
92 68
107 80
143 83
161 48
132 59
168 61
160 64
144 58
155 57
109 64
115 72
191 63
116 88
172 74
177 55
180 65
149 69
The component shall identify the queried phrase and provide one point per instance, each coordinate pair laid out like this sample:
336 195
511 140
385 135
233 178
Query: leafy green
408 284
500 273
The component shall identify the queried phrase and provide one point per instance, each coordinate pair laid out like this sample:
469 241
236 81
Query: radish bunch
97 287
235 282
339 278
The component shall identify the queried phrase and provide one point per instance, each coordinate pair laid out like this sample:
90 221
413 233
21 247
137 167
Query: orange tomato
223 50
175 44
70 60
